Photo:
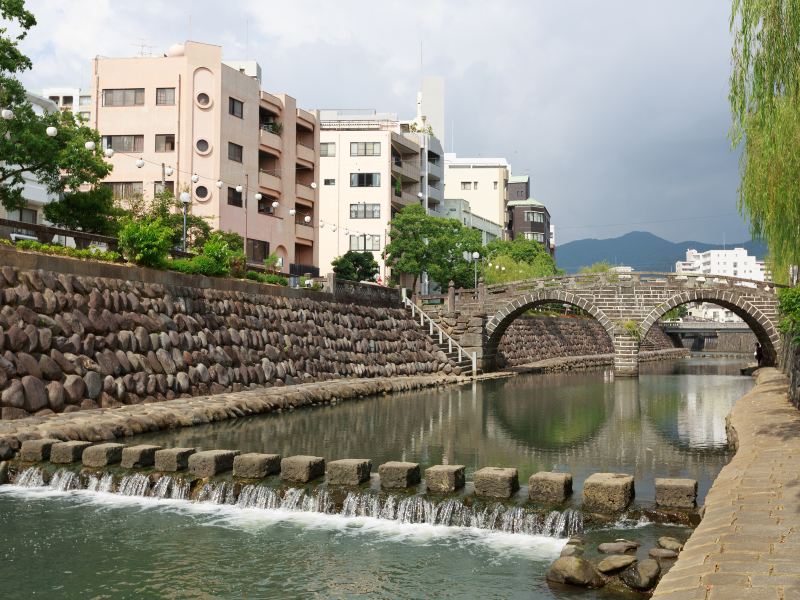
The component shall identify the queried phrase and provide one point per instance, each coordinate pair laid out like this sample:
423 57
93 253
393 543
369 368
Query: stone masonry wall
531 339
71 342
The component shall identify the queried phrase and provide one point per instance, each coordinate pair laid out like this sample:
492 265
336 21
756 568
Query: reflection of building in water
701 420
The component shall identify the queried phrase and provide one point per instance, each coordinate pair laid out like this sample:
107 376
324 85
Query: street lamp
475 257
89 145
7 114
51 131
186 198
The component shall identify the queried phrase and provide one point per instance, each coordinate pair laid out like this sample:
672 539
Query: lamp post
186 198
475 256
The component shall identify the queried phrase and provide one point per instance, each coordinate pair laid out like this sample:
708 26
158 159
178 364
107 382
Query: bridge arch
763 328
498 323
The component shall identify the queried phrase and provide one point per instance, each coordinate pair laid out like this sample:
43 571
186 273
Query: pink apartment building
249 159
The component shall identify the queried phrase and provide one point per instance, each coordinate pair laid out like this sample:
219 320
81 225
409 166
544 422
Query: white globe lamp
51 131
89 145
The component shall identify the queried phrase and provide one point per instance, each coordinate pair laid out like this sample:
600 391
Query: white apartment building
190 122
482 182
372 165
727 263
76 100
460 210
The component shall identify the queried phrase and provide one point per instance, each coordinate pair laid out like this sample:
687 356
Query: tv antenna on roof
144 48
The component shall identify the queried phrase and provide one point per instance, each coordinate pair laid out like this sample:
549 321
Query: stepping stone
253 465
676 493
36 450
102 455
444 479
136 457
607 492
170 460
549 487
349 471
616 562
67 452
496 482
662 553
670 543
618 547
302 469
211 462
399 475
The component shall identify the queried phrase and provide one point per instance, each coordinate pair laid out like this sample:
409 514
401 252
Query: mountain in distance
641 250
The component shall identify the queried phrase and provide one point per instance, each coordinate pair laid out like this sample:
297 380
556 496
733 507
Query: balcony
305 118
407 169
306 153
272 103
271 140
270 182
304 232
406 144
435 193
304 192
435 170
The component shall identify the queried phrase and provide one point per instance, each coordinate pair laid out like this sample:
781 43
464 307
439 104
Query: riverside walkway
748 543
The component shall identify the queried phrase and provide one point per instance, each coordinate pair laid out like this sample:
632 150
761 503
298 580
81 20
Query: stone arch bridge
627 305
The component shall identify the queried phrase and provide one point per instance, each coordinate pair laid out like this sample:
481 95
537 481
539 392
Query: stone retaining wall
531 339
126 335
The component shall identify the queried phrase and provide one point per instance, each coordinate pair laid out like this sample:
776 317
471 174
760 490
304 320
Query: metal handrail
442 335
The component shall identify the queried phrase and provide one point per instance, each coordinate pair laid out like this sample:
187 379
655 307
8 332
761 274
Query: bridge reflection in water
667 423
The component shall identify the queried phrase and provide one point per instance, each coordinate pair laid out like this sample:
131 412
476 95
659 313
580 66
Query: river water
668 423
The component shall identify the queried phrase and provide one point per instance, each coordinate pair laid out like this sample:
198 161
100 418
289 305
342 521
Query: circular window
203 99
202 146
201 192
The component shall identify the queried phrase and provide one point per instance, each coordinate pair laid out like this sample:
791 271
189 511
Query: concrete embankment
591 361
748 542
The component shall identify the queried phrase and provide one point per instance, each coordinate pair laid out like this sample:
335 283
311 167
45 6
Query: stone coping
748 542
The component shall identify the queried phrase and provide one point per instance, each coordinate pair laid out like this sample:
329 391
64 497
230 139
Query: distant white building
726 263
459 209
76 100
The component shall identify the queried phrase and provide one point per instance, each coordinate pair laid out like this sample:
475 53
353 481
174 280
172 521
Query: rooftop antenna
190 28
144 48
247 38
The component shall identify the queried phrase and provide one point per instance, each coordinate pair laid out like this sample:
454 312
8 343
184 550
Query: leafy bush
789 306
274 279
146 242
355 266
88 253
632 328
238 264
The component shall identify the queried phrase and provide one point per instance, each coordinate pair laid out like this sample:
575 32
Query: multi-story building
480 181
528 217
33 191
729 263
76 100
372 165
460 210
191 122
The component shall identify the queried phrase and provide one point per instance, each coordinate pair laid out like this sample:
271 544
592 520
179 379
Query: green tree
93 211
355 266
764 96
599 267
145 242
169 210
517 259
60 162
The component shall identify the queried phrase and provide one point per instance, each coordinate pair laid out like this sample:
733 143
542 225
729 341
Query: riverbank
591 361
747 544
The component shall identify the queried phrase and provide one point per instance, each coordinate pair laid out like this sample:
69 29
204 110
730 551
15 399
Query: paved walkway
748 543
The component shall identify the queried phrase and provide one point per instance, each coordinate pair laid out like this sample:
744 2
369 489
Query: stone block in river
643 575
256 466
135 457
549 487
676 493
574 570
170 460
211 462
68 452
607 492
615 562
398 475
444 478
102 455
348 471
496 482
302 469
36 450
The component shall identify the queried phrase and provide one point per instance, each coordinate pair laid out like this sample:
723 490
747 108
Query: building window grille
165 142
327 149
365 179
365 211
124 97
365 242
165 96
124 143
365 149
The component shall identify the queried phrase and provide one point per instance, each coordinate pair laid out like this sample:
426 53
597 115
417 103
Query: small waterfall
64 480
258 496
100 484
168 488
134 485
217 493
30 477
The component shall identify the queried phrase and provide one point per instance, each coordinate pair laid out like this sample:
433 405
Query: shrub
88 253
789 306
146 243
216 257
276 279
238 264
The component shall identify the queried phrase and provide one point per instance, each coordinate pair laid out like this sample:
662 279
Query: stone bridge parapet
626 305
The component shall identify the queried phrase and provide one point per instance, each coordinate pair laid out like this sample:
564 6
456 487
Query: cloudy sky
617 110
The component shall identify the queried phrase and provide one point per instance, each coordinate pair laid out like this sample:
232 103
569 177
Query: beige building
480 181
248 158
371 166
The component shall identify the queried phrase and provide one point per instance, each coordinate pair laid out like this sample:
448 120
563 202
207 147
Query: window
265 205
168 185
466 185
235 152
125 190
203 100
365 179
532 235
165 96
234 197
327 149
84 115
475 185
201 192
165 142
124 97
202 146
533 216
67 101
365 211
495 185
365 149
236 107
124 143
365 242
328 182
24 215
257 250
85 100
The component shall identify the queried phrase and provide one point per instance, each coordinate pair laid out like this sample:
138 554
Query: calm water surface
87 545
